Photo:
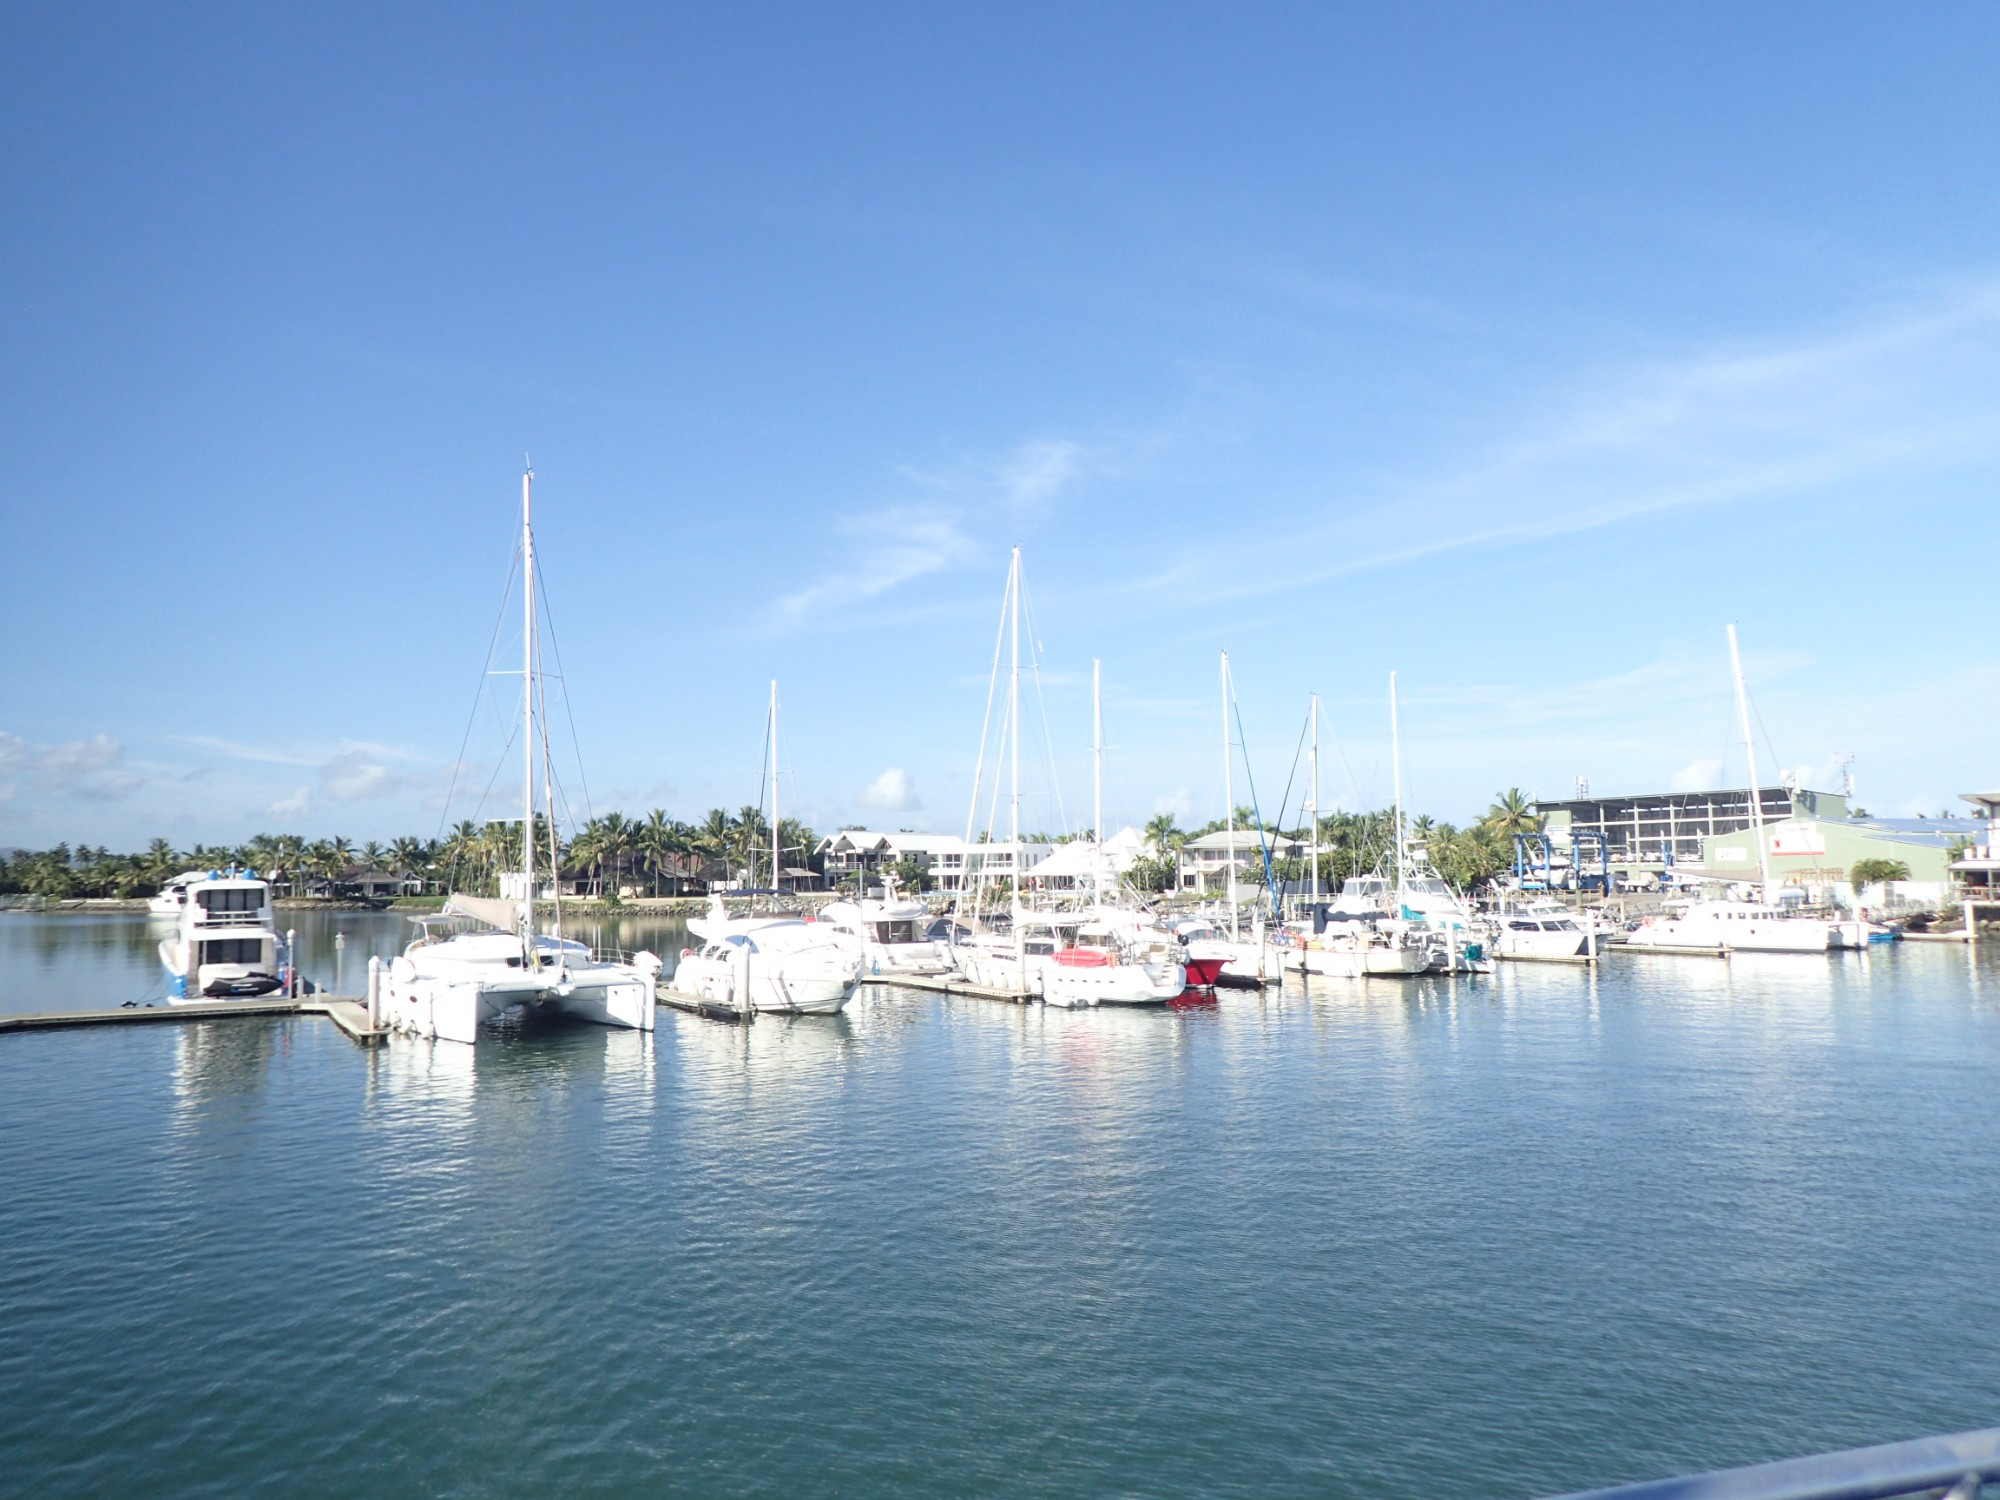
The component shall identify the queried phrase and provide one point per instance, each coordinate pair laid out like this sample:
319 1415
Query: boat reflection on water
222 1067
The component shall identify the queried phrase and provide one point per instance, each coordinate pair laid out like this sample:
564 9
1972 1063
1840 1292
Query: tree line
613 853
1359 843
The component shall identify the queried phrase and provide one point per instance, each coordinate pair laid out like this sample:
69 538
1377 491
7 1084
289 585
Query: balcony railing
1955 1465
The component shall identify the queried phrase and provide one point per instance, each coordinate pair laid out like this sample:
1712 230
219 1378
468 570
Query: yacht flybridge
224 946
447 984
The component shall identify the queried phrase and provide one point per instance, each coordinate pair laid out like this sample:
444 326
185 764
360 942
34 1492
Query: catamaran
447 984
1760 926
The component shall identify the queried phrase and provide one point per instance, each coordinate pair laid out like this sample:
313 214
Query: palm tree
1512 813
1163 833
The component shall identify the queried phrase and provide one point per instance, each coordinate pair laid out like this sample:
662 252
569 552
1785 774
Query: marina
1644 1188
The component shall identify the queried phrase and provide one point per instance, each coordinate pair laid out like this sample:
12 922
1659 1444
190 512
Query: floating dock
697 1005
945 984
349 1013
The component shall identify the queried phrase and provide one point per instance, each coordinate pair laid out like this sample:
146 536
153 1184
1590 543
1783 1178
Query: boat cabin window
1039 946
243 898
233 951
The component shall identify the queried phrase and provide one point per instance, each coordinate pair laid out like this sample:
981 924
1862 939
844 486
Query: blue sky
1516 349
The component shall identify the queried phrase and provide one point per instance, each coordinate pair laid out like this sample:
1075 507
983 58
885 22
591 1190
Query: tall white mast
1229 799
776 846
528 720
1313 806
1097 779
1014 756
1750 755
1396 759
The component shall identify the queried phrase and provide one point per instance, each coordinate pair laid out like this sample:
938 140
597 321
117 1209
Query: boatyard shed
1816 854
1651 830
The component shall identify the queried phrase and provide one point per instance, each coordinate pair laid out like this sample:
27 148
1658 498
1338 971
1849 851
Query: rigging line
986 724
569 714
1298 754
1035 654
506 595
763 763
1270 881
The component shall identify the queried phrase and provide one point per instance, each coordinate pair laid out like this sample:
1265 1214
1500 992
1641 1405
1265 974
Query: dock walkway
349 1013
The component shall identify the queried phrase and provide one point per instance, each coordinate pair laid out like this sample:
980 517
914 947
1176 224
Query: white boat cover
494 911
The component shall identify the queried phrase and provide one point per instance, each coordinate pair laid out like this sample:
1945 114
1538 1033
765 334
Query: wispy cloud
1883 400
892 545
887 549
90 770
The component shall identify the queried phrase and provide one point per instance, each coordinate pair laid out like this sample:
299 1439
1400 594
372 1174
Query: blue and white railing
1954 1466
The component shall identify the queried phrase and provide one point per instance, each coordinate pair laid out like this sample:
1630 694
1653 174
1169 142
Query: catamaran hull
449 1011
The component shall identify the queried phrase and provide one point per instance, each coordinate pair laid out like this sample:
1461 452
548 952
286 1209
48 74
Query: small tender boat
777 963
224 946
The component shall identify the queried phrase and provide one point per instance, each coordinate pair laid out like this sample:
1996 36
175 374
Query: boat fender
402 970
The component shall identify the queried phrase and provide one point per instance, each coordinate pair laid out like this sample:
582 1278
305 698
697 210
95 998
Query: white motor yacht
224 946
1544 930
890 933
777 963
171 898
1073 960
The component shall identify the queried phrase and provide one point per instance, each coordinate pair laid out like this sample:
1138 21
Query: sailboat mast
1014 757
1097 778
1315 801
1396 759
777 849
1750 756
528 715
1229 800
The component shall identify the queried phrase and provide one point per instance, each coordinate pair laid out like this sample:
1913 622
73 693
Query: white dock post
292 961
374 992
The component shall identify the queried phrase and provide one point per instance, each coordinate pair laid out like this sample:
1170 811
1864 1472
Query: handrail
1958 1462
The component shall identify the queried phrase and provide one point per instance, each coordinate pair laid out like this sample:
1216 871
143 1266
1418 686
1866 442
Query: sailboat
773 961
1229 958
1760 926
1067 959
447 984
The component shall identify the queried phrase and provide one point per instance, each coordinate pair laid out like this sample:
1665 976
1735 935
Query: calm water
1508 1237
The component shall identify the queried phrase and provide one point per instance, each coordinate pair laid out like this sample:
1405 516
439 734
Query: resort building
1977 869
949 860
1204 862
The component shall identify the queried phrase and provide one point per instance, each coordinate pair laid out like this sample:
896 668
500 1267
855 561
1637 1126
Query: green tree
1866 872
1511 813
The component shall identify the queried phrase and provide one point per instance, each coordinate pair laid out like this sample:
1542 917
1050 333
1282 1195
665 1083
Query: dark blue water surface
1505 1237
